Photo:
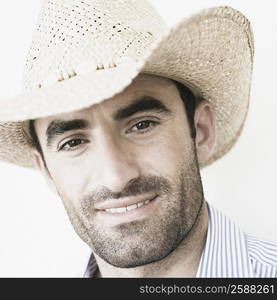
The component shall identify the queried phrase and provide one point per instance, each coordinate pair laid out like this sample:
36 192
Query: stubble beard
149 240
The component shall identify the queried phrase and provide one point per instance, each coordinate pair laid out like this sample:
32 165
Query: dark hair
188 98
35 140
190 101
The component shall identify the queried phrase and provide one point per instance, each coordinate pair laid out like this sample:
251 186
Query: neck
182 262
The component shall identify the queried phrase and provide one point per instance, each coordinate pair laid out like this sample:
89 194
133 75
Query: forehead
158 87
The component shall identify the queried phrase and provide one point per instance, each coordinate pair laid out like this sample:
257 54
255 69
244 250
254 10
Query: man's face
127 172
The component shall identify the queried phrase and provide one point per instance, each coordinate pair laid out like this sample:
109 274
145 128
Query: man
120 114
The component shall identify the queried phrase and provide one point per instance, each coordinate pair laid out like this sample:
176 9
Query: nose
115 163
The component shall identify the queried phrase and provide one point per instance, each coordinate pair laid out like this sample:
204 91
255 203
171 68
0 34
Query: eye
142 126
72 144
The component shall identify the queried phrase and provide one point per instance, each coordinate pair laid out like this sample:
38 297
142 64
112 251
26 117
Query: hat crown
74 37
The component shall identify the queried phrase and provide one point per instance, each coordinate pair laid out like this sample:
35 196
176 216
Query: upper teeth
126 208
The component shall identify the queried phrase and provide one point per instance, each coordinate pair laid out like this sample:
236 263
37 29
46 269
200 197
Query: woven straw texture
84 52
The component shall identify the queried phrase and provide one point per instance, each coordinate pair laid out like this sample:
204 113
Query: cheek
169 153
68 178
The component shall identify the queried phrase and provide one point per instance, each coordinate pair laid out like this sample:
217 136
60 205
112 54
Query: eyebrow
59 127
146 103
143 104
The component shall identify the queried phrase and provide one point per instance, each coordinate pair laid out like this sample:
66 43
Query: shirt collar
225 252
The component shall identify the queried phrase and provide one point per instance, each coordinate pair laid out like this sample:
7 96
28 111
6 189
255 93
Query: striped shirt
228 252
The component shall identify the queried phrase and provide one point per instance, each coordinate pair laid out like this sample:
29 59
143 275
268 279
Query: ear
39 165
205 132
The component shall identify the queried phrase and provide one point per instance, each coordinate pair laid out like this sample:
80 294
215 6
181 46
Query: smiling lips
127 208
117 206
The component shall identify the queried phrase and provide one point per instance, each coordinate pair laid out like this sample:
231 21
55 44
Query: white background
36 238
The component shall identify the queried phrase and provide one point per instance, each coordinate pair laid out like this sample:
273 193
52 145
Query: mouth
124 209
130 210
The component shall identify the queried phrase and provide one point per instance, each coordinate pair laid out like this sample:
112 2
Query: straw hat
86 51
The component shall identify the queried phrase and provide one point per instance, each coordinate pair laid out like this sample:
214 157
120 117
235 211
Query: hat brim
211 52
